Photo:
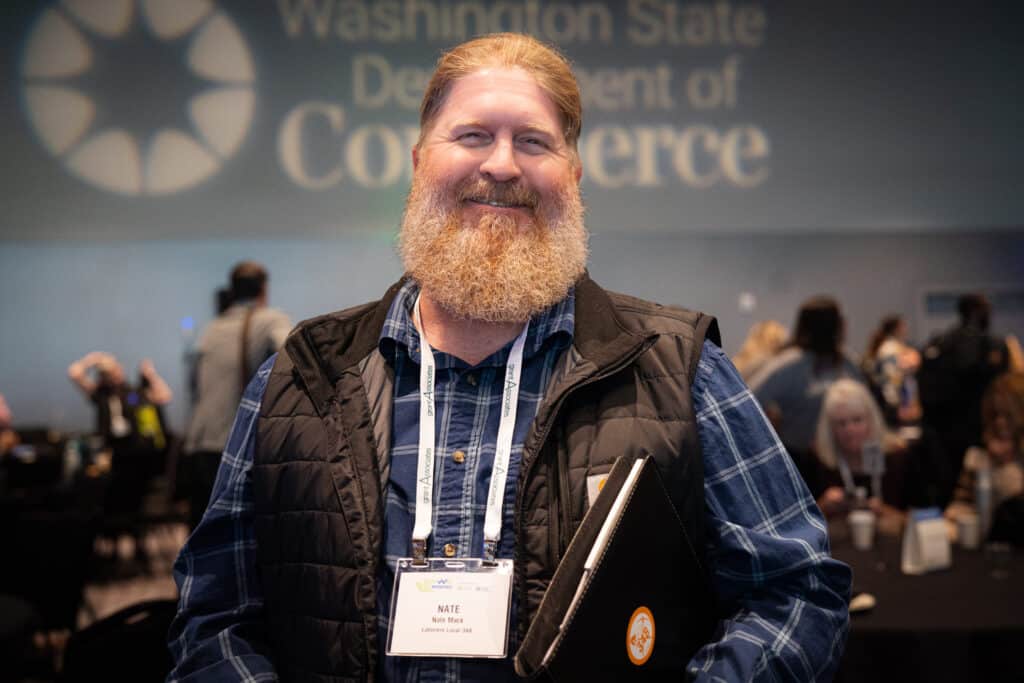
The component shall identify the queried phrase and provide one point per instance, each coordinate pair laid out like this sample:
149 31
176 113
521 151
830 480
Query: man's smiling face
498 144
493 227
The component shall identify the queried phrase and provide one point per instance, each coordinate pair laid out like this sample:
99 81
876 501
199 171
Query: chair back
129 645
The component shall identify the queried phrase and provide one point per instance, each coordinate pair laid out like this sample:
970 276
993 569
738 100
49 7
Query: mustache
513 193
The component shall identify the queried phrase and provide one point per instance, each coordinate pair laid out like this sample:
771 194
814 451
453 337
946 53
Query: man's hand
1001 450
5 413
78 372
833 501
890 520
909 360
106 363
8 437
8 440
158 391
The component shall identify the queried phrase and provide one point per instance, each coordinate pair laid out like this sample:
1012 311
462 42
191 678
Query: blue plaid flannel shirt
783 598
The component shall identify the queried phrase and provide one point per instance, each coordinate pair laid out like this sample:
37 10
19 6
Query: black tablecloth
960 624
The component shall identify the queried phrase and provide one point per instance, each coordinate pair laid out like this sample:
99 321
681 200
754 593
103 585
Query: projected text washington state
647 23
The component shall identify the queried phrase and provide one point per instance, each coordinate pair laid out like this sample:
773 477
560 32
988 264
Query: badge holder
450 608
458 607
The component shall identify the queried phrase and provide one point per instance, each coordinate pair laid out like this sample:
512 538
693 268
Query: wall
61 301
780 149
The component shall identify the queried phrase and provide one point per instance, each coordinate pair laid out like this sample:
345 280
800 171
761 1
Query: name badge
450 608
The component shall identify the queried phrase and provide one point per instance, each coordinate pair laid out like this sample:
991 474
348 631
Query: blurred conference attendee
763 341
890 365
229 351
124 412
791 386
860 462
957 367
1016 353
130 420
1000 457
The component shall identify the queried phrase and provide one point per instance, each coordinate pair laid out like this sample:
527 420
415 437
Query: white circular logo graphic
640 636
62 72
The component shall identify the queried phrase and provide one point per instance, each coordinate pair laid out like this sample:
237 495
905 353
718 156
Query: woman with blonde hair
763 341
857 457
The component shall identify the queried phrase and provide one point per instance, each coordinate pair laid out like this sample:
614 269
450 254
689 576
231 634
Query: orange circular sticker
640 636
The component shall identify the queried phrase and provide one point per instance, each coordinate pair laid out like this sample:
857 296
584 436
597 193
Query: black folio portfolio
644 603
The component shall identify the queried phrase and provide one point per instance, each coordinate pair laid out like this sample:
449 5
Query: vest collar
323 348
601 336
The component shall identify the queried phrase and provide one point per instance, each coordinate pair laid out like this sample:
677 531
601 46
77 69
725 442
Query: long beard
499 268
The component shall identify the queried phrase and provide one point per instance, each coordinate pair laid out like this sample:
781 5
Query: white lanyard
874 461
427 455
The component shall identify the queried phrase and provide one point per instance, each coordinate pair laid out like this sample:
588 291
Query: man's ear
579 172
415 157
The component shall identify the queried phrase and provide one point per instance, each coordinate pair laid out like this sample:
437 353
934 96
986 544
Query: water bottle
983 498
72 461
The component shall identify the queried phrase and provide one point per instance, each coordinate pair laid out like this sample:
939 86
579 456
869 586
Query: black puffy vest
622 389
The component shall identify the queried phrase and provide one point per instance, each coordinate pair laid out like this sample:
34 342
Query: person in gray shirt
229 351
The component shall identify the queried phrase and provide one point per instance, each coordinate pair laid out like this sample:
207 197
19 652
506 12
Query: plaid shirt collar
556 324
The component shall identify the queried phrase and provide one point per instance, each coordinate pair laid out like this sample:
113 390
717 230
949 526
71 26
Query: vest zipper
555 524
564 511
559 496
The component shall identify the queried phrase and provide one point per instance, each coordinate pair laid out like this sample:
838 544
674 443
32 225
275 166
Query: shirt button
471 378
459 457
449 550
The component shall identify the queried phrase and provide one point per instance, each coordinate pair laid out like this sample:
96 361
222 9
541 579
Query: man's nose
500 164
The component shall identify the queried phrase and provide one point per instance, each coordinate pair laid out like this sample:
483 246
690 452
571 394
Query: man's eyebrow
542 130
534 128
467 123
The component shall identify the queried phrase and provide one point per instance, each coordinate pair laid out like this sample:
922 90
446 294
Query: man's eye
533 142
473 137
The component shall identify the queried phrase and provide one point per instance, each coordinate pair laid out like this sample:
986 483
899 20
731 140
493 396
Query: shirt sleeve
218 633
782 598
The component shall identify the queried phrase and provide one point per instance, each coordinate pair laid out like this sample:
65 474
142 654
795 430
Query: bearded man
463 416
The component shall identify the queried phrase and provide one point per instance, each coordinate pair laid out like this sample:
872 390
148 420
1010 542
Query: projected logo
138 97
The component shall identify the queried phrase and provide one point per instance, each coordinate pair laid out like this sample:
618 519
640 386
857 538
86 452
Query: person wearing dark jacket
957 367
465 416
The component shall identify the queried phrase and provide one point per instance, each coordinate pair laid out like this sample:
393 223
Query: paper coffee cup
862 528
969 530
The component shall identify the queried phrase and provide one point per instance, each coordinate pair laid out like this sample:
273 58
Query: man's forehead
508 86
